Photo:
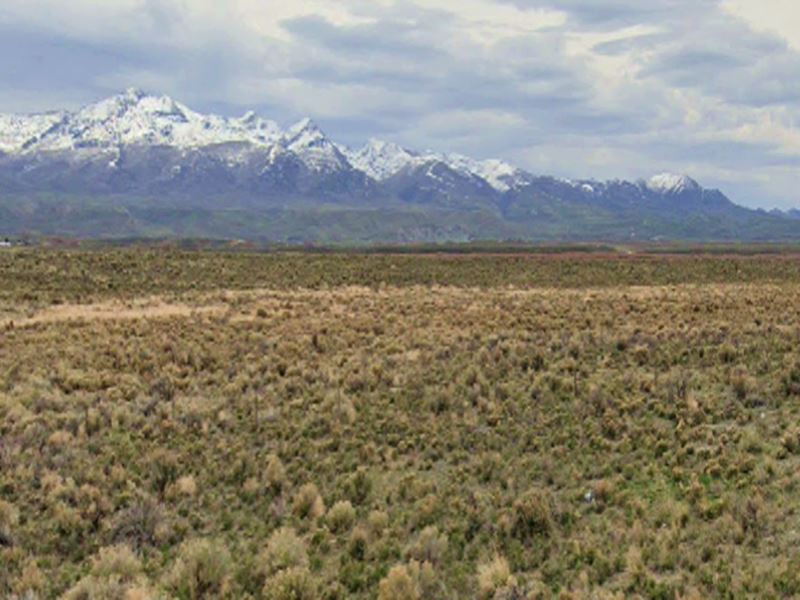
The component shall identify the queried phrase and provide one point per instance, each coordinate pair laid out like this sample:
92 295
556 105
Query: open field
321 426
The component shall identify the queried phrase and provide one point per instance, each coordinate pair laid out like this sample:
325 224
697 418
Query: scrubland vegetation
208 425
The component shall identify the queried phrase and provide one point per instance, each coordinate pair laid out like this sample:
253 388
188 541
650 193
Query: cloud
596 88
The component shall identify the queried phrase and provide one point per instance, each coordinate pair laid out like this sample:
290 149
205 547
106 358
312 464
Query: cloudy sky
574 88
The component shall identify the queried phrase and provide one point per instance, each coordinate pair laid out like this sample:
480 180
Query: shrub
31 582
116 573
359 487
358 543
285 550
140 525
308 502
378 521
275 473
291 584
341 516
727 353
93 588
741 383
493 577
531 516
8 520
342 409
185 486
116 560
202 570
429 546
413 581
791 380
791 440
164 467
398 585
60 439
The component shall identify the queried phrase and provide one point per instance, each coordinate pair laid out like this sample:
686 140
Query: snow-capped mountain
151 151
670 183
306 140
129 119
382 160
135 118
500 175
18 132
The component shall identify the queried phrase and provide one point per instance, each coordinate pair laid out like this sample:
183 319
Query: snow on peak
305 134
18 132
306 125
380 160
135 117
135 93
498 174
670 183
307 141
132 117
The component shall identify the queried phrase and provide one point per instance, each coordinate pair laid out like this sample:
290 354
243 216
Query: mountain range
140 165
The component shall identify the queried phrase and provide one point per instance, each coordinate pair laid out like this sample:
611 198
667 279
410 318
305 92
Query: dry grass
471 440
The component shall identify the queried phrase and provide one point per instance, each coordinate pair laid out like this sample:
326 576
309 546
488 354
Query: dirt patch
150 308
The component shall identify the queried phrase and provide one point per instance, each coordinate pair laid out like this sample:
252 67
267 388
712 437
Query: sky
573 88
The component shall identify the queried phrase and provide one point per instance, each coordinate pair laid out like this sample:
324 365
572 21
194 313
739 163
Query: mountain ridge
135 117
136 149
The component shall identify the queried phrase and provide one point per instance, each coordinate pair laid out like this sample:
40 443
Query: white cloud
488 22
781 17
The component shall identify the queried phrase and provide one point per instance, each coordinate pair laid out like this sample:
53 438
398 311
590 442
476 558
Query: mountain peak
377 145
671 183
249 117
304 134
380 159
306 140
134 93
306 125
498 174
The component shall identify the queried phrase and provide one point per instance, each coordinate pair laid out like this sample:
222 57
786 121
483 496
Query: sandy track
151 308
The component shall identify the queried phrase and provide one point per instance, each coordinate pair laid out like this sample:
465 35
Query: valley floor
203 425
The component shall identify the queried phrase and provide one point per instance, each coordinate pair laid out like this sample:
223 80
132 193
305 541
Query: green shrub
116 573
494 577
140 525
378 521
430 546
413 581
791 440
285 550
341 516
203 569
9 516
275 473
358 543
308 503
359 487
164 467
291 584
532 515
791 380
116 560
398 585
